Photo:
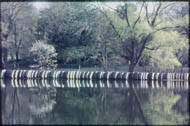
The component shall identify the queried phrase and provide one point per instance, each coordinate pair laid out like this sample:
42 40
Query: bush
44 54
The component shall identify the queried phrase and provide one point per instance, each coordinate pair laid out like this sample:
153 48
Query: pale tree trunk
17 46
105 57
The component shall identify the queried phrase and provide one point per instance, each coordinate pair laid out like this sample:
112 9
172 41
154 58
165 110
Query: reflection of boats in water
59 83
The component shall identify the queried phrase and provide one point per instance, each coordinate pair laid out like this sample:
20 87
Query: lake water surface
94 102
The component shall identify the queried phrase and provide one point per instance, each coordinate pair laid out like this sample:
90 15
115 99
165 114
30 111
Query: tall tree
137 27
105 49
17 25
69 27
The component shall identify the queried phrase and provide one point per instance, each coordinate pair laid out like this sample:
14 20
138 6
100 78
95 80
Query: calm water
94 102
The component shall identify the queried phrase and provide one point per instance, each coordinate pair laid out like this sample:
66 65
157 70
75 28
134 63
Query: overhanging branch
163 28
155 48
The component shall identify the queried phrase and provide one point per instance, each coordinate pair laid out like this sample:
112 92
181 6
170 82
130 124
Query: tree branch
156 14
138 16
155 48
126 15
163 28
144 41
166 7
147 17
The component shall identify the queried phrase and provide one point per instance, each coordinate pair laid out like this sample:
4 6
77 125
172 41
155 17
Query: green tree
105 49
180 14
69 28
138 29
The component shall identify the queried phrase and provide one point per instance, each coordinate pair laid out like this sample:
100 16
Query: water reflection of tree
159 108
74 107
42 103
24 106
125 106
182 105
136 110
10 115
114 106
97 105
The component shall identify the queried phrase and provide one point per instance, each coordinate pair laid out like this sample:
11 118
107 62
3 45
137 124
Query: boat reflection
58 83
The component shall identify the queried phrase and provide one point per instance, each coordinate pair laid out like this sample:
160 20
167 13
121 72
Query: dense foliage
92 34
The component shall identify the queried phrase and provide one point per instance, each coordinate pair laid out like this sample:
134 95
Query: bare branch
126 15
155 48
164 28
156 14
138 16
166 7
147 17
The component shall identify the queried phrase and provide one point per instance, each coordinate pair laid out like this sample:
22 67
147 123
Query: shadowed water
94 102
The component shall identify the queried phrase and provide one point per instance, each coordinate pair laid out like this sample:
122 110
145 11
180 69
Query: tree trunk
17 59
131 68
132 65
105 57
4 57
